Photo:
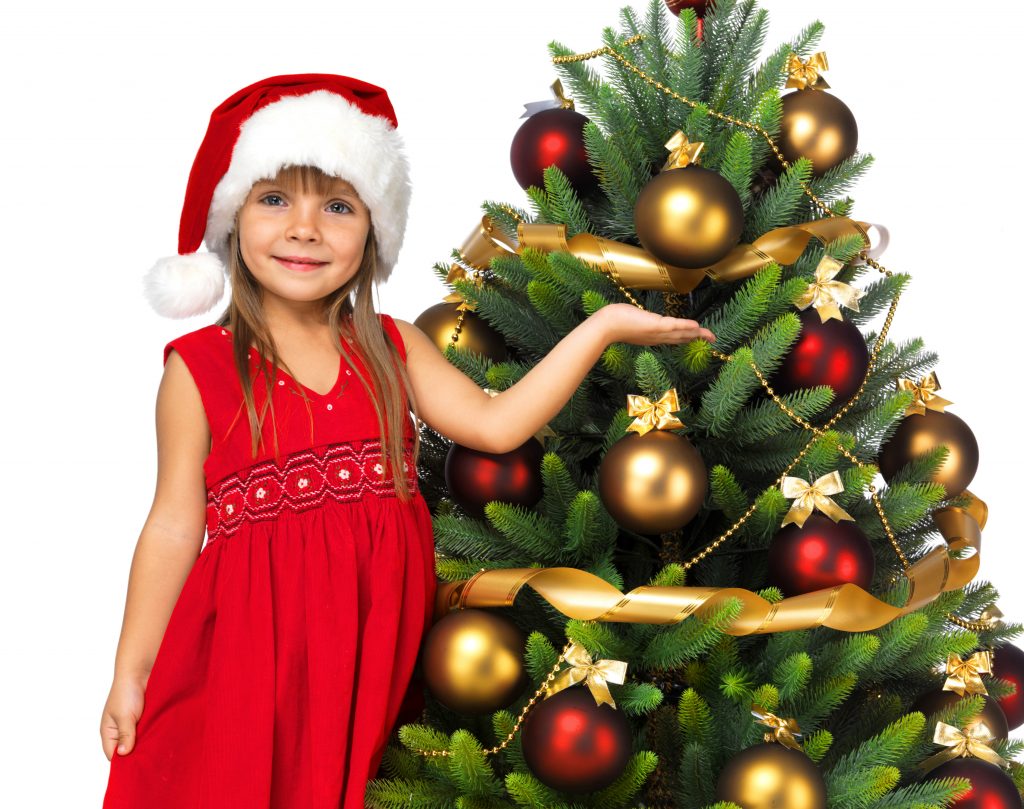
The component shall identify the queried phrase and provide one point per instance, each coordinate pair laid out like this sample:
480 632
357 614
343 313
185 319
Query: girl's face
302 245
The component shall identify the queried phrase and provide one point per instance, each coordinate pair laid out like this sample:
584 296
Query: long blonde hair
359 324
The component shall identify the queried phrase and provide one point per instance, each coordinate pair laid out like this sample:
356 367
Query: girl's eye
272 199
333 207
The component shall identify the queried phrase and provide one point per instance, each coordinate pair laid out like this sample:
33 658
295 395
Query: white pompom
183 286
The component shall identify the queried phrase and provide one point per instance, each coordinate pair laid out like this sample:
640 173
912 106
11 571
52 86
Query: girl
272 659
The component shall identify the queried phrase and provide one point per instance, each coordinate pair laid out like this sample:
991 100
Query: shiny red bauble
552 138
991 787
699 6
476 478
832 353
1008 664
572 744
821 554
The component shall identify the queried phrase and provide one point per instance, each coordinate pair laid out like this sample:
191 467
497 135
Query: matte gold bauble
919 433
817 125
473 661
652 483
770 776
438 323
688 217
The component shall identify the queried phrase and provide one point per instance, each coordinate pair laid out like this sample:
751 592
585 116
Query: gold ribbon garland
784 731
681 152
634 267
653 415
825 294
807 75
972 742
810 496
925 397
846 607
964 676
596 676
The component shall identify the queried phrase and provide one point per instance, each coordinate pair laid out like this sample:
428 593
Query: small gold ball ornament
771 776
688 217
652 483
438 323
817 125
473 661
918 434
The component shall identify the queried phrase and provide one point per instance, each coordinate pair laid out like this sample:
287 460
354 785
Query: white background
106 105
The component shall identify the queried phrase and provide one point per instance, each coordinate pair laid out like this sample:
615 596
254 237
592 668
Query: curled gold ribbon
991 616
846 607
972 741
964 676
596 675
635 268
653 415
924 395
825 294
810 496
807 75
784 731
681 152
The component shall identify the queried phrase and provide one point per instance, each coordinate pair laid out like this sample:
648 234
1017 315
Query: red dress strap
392 330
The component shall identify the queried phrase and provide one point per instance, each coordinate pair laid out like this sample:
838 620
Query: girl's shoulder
197 344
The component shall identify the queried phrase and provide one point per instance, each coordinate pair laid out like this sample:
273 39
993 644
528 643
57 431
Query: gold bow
809 496
454 297
963 743
783 731
681 152
992 617
826 294
566 103
964 676
595 675
653 415
924 395
807 75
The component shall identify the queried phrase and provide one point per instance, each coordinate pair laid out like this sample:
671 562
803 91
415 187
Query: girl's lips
303 266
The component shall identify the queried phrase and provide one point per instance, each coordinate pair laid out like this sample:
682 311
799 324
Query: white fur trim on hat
319 129
183 286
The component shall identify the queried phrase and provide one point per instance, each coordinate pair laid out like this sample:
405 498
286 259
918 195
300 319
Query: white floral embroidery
378 469
303 483
344 474
230 509
261 493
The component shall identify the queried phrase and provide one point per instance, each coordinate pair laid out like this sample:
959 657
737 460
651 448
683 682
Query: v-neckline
337 382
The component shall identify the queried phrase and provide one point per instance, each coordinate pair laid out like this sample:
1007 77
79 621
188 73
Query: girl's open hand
625 323
121 714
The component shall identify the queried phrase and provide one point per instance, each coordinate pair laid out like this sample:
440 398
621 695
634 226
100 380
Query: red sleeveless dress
285 660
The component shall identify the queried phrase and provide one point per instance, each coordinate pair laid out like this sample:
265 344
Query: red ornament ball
552 138
832 353
476 478
1008 664
991 715
699 6
572 744
821 554
991 787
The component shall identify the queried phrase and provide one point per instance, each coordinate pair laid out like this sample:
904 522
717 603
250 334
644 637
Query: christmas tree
716 601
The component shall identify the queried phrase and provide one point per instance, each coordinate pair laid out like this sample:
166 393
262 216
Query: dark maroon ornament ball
932 702
699 6
832 353
1008 664
552 138
991 786
476 478
822 554
572 744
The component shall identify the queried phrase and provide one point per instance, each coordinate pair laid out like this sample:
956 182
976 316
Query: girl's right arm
166 550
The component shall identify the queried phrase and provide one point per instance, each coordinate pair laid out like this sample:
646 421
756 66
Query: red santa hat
341 125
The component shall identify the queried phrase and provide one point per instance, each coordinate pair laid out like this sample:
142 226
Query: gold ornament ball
918 434
817 125
652 483
688 217
770 776
438 323
473 661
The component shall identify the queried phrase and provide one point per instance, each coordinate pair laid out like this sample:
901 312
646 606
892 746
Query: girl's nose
302 225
